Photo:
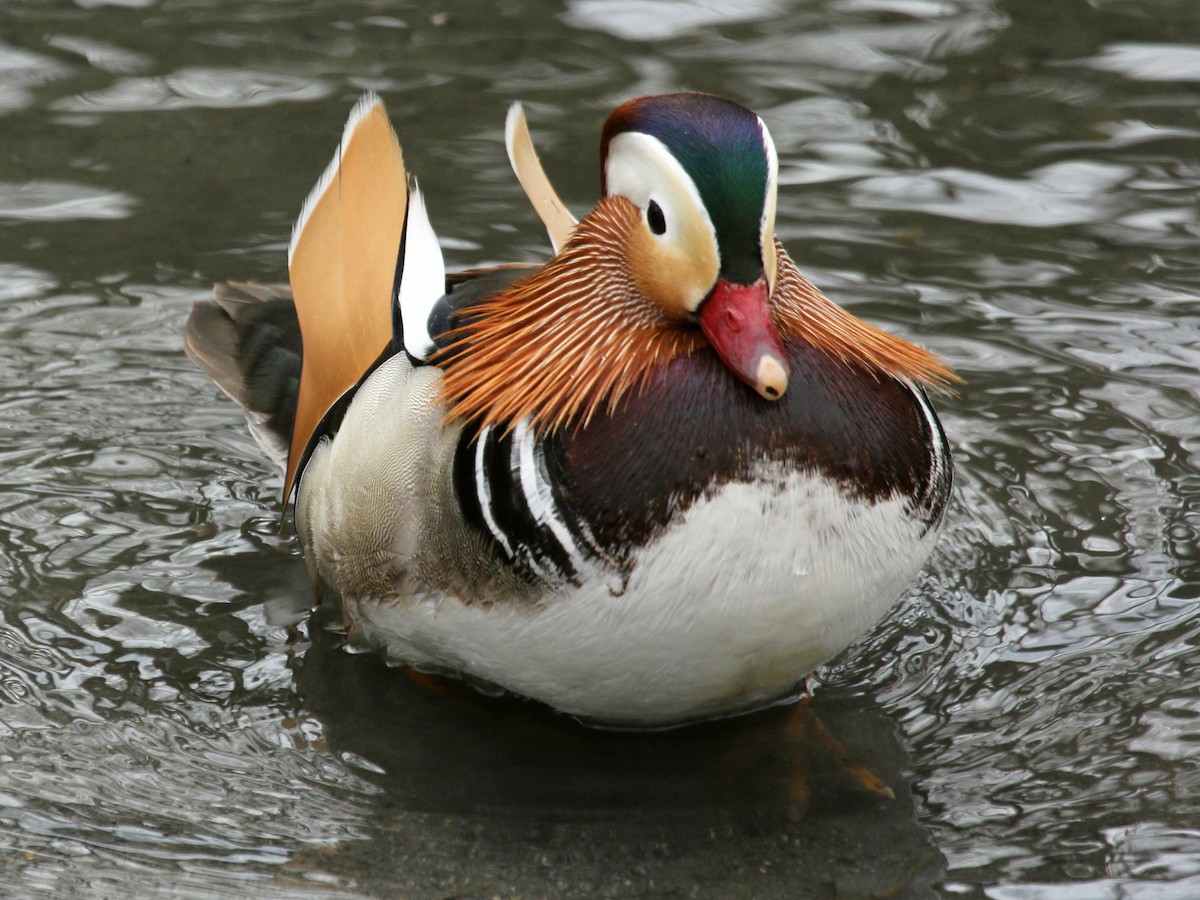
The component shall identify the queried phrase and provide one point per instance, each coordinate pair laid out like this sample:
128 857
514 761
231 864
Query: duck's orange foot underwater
829 758
810 763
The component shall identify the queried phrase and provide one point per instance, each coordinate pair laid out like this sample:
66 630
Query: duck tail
247 339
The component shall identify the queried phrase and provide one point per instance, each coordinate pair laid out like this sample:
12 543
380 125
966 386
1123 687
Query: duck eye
655 218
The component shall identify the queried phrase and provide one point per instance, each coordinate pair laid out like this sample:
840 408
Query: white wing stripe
484 492
538 496
423 280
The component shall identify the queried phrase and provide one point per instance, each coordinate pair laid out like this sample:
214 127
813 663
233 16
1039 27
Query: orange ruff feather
573 336
802 313
577 335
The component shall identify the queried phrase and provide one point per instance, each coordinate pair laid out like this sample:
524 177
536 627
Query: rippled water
1012 183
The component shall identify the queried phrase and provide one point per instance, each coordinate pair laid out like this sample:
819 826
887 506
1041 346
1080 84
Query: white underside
750 591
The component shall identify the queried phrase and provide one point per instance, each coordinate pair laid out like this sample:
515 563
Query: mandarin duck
658 479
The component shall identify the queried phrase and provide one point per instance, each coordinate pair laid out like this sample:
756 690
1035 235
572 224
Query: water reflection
57 201
650 20
757 806
1150 62
100 55
1067 193
197 87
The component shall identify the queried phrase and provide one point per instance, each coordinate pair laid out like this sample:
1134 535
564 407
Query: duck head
702 172
678 255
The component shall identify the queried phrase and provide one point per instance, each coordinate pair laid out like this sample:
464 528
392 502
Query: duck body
594 593
685 542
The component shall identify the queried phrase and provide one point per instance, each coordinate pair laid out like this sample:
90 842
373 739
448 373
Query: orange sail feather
342 263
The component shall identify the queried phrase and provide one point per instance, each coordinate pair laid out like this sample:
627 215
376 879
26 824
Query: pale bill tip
771 378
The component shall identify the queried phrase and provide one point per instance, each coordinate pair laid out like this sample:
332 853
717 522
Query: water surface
1011 183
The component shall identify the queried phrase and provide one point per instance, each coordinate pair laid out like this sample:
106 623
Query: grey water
1013 184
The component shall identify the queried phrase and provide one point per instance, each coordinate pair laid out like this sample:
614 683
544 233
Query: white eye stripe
641 169
677 268
772 185
767 226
